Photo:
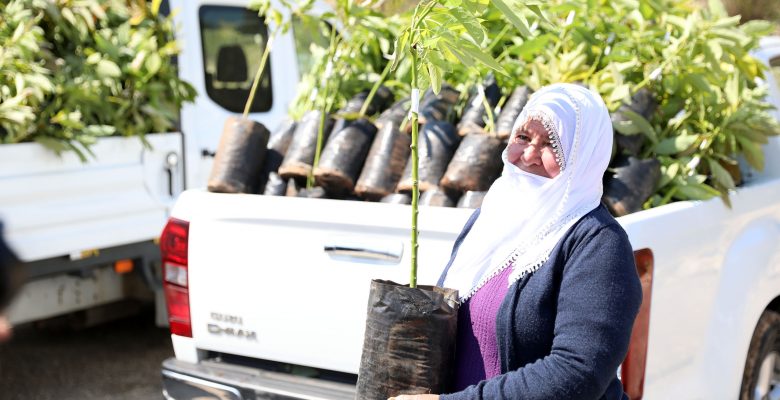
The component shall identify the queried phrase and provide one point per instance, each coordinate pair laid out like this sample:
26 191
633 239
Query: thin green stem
499 37
491 125
415 177
371 94
323 110
259 74
320 130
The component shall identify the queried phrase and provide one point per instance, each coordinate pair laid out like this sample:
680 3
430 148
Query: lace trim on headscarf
556 224
552 129
521 271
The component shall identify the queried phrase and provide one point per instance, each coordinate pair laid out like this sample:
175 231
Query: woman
548 286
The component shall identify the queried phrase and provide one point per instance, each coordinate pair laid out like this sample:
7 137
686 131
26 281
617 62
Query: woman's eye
522 138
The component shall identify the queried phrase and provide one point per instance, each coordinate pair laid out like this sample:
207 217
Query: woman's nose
532 155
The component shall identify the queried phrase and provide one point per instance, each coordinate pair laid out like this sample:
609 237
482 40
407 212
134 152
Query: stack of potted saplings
683 109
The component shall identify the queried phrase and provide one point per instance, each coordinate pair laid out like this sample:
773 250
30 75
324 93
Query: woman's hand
416 397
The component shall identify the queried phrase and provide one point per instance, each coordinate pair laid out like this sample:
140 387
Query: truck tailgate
57 205
274 278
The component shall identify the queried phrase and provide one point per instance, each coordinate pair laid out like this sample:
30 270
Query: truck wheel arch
764 347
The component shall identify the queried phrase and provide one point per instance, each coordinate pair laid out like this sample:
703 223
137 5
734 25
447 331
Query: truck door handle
371 252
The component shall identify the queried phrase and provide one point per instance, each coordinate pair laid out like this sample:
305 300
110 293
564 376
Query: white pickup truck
87 231
267 295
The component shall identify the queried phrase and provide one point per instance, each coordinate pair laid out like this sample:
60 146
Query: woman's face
530 149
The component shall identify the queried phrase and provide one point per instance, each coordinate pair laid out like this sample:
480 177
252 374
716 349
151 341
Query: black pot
475 165
409 343
632 183
240 156
343 157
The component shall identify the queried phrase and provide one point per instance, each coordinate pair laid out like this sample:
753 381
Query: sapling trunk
415 175
323 109
259 74
374 89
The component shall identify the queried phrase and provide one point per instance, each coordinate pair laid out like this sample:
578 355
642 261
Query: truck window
233 40
308 31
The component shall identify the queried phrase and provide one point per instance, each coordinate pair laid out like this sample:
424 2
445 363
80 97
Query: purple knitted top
476 354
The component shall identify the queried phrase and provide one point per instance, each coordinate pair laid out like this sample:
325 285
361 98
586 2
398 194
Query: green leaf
400 48
668 174
482 57
732 90
641 123
627 128
472 25
100 130
538 11
676 144
464 59
699 82
153 63
108 69
513 16
436 59
57 146
715 49
758 28
753 153
697 191
435 76
532 47
720 174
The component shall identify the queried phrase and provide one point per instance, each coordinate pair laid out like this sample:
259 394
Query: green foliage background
695 60
71 72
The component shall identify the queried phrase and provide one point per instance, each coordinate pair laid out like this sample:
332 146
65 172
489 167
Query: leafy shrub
695 61
71 72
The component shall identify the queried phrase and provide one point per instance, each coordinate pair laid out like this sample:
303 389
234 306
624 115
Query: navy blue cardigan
564 330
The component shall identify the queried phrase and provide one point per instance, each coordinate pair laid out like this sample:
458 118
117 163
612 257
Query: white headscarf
523 215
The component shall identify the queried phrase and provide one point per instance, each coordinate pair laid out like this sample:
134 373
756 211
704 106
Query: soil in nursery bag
475 113
397 198
300 156
437 197
437 143
438 107
632 183
276 185
471 199
510 112
409 342
385 163
277 148
475 165
642 103
343 157
395 114
239 158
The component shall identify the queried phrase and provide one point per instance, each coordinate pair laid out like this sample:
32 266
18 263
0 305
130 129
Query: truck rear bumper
211 379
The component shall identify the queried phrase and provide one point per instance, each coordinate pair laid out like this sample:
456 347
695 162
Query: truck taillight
173 246
633 369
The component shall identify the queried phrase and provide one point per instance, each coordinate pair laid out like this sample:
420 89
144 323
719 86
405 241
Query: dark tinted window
233 42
